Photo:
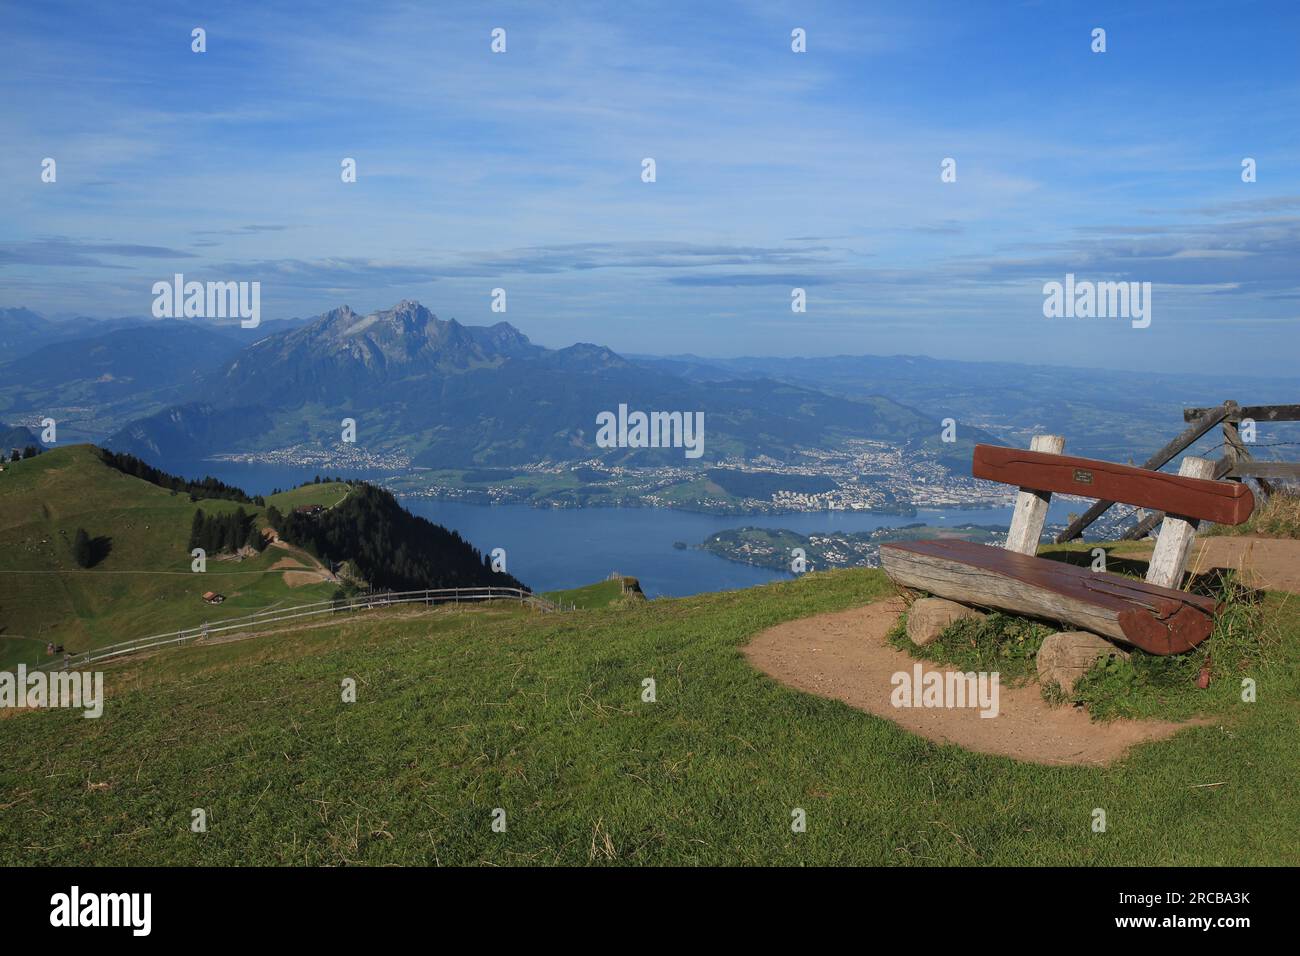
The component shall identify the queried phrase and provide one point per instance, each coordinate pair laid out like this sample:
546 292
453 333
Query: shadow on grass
1212 582
100 548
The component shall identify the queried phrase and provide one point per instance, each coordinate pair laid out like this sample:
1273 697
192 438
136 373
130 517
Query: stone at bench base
927 618
1067 656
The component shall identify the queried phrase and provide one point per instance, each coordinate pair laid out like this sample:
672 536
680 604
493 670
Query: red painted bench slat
1226 502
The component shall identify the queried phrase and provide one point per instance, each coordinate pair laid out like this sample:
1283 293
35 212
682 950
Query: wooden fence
360 602
1236 462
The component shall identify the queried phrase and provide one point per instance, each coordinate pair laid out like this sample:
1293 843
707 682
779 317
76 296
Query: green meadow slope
605 593
144 584
463 711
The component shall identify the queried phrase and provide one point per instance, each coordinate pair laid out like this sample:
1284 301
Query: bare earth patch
843 655
296 579
1272 564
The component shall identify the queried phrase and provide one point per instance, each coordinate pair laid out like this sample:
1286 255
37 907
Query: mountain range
23 331
445 394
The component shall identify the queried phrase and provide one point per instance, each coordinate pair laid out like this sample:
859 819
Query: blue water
557 548
263 479
551 548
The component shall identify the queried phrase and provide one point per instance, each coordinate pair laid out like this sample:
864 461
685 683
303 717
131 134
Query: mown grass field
144 584
326 494
591 596
461 711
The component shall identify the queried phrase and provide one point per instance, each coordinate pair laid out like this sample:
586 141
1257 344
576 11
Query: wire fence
342 605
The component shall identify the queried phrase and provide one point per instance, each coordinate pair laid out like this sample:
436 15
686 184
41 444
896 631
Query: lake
556 548
551 548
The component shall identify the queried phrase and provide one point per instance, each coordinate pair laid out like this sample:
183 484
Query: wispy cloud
774 169
67 252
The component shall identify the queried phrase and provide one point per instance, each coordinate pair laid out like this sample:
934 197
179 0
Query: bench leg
1169 559
1031 506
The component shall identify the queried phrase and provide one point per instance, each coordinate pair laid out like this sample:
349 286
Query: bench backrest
1224 502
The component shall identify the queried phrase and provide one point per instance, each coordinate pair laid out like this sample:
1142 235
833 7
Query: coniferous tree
390 547
208 487
196 529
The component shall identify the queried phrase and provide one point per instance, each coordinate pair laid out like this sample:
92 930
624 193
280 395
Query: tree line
207 487
225 533
390 547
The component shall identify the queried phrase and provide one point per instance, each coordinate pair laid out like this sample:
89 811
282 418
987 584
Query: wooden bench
1152 614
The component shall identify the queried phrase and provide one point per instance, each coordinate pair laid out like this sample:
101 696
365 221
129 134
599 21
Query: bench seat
1157 619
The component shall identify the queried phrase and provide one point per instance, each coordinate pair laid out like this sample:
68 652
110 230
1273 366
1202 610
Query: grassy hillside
606 593
462 711
143 584
327 494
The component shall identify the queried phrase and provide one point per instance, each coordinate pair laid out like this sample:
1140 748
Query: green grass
999 642
327 494
143 586
587 597
461 712
1246 641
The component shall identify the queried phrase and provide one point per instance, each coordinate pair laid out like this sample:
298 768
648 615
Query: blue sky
775 169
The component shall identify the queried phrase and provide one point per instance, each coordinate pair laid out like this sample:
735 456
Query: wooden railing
360 602
1236 461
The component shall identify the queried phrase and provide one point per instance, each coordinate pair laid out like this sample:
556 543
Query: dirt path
295 575
1272 564
844 656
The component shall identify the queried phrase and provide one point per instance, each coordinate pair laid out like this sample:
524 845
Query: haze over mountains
14 437
23 331
444 394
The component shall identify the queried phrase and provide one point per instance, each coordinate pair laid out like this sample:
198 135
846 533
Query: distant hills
1103 413
446 395
92 375
23 331
15 436
137 364
451 395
